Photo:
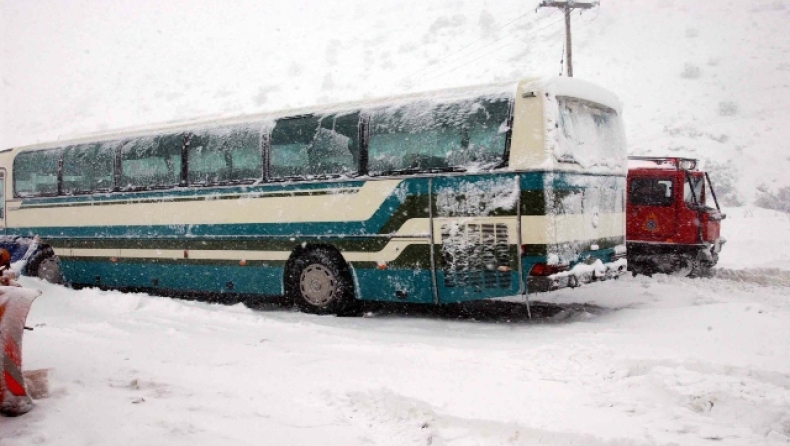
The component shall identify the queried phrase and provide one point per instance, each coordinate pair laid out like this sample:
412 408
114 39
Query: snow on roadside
653 361
757 241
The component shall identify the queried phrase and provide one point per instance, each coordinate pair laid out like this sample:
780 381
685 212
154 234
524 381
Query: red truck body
670 226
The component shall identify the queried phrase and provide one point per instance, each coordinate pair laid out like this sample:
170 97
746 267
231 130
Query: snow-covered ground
638 361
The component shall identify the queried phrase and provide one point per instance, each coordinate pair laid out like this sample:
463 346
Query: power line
448 56
441 74
597 13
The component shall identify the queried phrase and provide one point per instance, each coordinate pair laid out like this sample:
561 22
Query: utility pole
567 6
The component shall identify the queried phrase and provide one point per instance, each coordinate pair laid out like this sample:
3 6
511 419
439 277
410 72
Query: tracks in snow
758 276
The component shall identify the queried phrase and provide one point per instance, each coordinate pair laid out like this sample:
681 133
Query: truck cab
673 219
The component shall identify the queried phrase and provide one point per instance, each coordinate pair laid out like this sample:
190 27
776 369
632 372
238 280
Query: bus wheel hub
318 284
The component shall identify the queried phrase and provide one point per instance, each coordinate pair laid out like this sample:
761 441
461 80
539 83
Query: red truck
670 228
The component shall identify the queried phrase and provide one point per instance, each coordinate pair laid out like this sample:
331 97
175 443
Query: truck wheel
684 266
321 283
44 264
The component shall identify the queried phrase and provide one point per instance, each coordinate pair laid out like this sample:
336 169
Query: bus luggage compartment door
475 236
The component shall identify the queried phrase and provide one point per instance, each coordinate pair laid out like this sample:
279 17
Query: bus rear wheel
321 283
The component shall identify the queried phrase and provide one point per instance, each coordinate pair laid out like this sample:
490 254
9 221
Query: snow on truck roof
659 162
558 86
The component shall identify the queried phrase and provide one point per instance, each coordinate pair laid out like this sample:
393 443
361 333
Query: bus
447 196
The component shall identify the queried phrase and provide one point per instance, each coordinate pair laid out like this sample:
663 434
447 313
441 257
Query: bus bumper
579 275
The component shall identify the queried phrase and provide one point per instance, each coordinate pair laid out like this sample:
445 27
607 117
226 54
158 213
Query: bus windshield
590 134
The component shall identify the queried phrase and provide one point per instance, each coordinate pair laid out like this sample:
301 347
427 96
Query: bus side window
228 154
424 136
484 135
36 173
310 146
402 139
151 162
335 147
288 155
89 168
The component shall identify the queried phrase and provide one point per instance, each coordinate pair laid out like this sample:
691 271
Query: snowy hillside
697 78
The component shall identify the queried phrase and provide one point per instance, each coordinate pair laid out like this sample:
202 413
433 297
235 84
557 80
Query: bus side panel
475 233
398 264
571 218
183 275
395 285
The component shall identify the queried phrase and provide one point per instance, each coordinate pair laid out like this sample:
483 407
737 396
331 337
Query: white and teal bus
448 196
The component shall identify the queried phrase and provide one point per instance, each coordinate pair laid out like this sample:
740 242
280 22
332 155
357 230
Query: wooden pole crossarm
567 7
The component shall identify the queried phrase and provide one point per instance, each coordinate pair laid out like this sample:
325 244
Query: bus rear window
650 192
591 134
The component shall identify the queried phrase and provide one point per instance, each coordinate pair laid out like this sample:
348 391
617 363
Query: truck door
652 210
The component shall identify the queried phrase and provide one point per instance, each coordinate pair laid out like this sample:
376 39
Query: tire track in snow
758 276
388 418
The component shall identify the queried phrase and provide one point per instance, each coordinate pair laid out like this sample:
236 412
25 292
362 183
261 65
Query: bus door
475 236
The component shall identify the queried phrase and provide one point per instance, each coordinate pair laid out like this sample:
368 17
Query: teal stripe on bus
409 201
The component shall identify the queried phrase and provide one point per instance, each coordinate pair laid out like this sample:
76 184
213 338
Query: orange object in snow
15 304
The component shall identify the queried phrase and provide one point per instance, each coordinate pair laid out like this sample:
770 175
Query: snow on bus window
425 136
590 135
36 173
313 146
227 154
151 162
89 167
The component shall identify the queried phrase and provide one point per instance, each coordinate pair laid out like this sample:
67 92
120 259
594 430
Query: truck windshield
650 192
698 185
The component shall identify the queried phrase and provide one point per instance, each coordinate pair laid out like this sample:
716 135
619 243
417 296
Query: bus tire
44 265
321 283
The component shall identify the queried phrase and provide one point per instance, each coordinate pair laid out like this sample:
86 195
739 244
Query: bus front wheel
321 283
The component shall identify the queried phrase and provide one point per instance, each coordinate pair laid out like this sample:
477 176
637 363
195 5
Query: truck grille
475 255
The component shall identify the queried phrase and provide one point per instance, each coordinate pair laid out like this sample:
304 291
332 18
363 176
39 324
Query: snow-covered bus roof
663 162
575 88
559 86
